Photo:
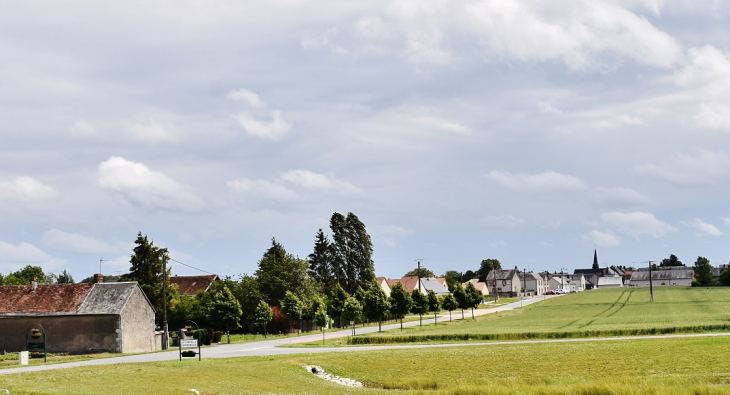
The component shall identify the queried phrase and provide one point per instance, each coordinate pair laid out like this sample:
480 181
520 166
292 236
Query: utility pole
165 340
418 272
100 261
651 286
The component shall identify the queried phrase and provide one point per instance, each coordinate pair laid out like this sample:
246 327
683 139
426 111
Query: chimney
98 278
33 284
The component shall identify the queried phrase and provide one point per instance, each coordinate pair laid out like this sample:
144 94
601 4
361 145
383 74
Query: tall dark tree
487 266
279 272
453 278
320 263
703 271
352 260
224 310
249 295
671 261
146 269
420 304
400 302
725 276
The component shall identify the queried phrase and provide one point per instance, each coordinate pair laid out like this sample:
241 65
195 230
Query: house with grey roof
679 275
610 282
79 318
533 283
504 281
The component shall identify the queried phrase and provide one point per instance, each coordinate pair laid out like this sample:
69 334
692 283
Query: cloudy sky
527 131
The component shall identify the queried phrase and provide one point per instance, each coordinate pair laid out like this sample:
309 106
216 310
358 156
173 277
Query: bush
695 283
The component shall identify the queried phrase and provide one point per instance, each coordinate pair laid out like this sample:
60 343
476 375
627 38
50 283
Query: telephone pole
165 340
418 272
651 286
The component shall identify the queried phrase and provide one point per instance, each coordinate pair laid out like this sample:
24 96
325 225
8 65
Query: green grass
610 312
639 366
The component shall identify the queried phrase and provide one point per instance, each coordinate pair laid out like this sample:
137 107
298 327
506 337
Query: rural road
277 347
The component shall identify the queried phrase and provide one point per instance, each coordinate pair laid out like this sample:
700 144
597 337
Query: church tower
595 262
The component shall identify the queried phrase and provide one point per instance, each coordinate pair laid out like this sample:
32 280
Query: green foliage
352 310
400 302
453 278
279 272
65 278
376 303
487 266
320 316
352 252
703 271
248 294
725 276
224 310
448 302
320 263
291 306
420 303
263 315
671 261
473 297
25 275
423 273
462 300
107 279
434 304
337 302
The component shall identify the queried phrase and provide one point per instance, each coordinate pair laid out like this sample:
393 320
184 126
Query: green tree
376 303
419 305
725 276
292 307
352 252
146 270
320 263
425 273
453 278
279 272
449 304
263 315
25 275
703 271
65 278
320 318
352 311
249 295
671 261
434 304
400 302
486 267
225 311
473 298
461 299
337 302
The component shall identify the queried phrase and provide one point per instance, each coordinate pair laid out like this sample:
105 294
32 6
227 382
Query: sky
531 132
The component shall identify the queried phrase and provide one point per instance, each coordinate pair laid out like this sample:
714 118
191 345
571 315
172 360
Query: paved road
277 347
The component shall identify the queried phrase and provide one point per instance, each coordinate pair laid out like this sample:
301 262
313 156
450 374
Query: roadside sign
188 343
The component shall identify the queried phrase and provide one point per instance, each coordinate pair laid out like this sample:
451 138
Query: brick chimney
34 284
98 278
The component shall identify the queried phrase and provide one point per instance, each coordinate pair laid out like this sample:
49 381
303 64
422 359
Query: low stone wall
73 334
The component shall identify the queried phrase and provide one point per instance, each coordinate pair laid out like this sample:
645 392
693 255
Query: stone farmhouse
504 281
79 318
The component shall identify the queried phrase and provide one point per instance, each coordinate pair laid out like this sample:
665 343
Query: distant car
560 291
549 293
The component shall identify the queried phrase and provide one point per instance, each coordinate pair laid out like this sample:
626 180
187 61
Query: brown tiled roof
409 283
51 298
190 285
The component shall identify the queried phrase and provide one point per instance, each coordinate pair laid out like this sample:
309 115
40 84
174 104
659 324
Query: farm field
634 366
610 312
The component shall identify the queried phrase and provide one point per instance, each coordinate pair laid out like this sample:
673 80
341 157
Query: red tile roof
190 285
47 298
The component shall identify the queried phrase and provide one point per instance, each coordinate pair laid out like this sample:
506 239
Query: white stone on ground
318 371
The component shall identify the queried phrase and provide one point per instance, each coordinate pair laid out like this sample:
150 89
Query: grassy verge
639 366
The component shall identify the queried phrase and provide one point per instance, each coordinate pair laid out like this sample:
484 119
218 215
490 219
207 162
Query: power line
192 267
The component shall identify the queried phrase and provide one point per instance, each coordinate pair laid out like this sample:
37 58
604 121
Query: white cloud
548 108
246 96
316 181
638 224
81 129
79 244
262 188
617 197
703 228
150 133
727 220
548 181
706 168
140 186
545 244
274 130
506 221
397 230
707 77
603 239
14 257
26 190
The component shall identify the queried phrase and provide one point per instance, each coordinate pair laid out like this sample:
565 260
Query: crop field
634 366
610 312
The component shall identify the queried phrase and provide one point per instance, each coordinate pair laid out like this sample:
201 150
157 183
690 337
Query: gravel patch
319 372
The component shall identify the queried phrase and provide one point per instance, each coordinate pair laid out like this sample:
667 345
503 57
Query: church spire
595 261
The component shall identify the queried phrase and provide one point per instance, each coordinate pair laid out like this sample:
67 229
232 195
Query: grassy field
639 366
610 312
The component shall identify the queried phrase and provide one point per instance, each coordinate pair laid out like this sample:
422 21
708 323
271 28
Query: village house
533 283
482 288
426 284
79 318
383 283
504 281
677 275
